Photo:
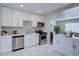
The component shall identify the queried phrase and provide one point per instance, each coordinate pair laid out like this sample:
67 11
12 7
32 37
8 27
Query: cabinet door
19 19
40 18
26 41
25 16
6 44
34 23
34 19
34 39
61 45
68 47
76 50
14 21
55 43
31 40
6 16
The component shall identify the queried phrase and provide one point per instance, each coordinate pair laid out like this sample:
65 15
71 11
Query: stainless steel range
42 37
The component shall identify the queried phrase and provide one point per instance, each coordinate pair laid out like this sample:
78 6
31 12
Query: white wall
49 19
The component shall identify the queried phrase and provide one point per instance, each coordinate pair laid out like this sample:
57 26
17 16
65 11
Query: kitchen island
66 45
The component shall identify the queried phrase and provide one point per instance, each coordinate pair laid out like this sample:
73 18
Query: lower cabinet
68 49
76 47
71 47
66 46
61 45
58 44
31 40
5 44
55 43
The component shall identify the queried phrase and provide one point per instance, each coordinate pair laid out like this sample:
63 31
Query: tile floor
39 50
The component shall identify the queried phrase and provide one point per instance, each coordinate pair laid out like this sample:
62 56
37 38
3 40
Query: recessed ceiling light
40 11
21 5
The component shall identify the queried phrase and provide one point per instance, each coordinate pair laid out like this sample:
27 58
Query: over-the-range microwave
40 24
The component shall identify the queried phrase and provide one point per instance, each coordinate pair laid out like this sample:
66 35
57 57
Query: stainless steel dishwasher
17 42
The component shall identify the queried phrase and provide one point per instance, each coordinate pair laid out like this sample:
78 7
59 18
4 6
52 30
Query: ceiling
35 7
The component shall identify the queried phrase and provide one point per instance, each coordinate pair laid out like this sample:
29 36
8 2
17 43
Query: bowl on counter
3 33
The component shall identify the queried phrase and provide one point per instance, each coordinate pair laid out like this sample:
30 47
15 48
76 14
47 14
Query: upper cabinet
25 16
30 17
11 17
34 20
15 18
34 24
6 16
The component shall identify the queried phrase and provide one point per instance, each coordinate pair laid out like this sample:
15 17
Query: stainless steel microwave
40 24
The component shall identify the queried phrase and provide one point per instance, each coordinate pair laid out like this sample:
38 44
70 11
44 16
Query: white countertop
75 37
61 35
17 34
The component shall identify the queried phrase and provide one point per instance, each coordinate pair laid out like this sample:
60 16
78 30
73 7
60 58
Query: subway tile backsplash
27 28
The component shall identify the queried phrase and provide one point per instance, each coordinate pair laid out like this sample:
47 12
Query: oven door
43 37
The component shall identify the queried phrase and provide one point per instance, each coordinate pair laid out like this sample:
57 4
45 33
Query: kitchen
21 30
19 25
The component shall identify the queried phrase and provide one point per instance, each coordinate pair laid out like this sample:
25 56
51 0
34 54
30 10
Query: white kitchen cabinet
34 19
5 44
69 51
15 17
55 43
25 16
27 41
58 44
40 18
6 16
31 40
61 46
34 23
19 19
11 17
76 47
71 47
66 45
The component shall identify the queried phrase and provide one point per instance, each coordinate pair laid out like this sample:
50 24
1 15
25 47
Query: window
67 27
72 27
